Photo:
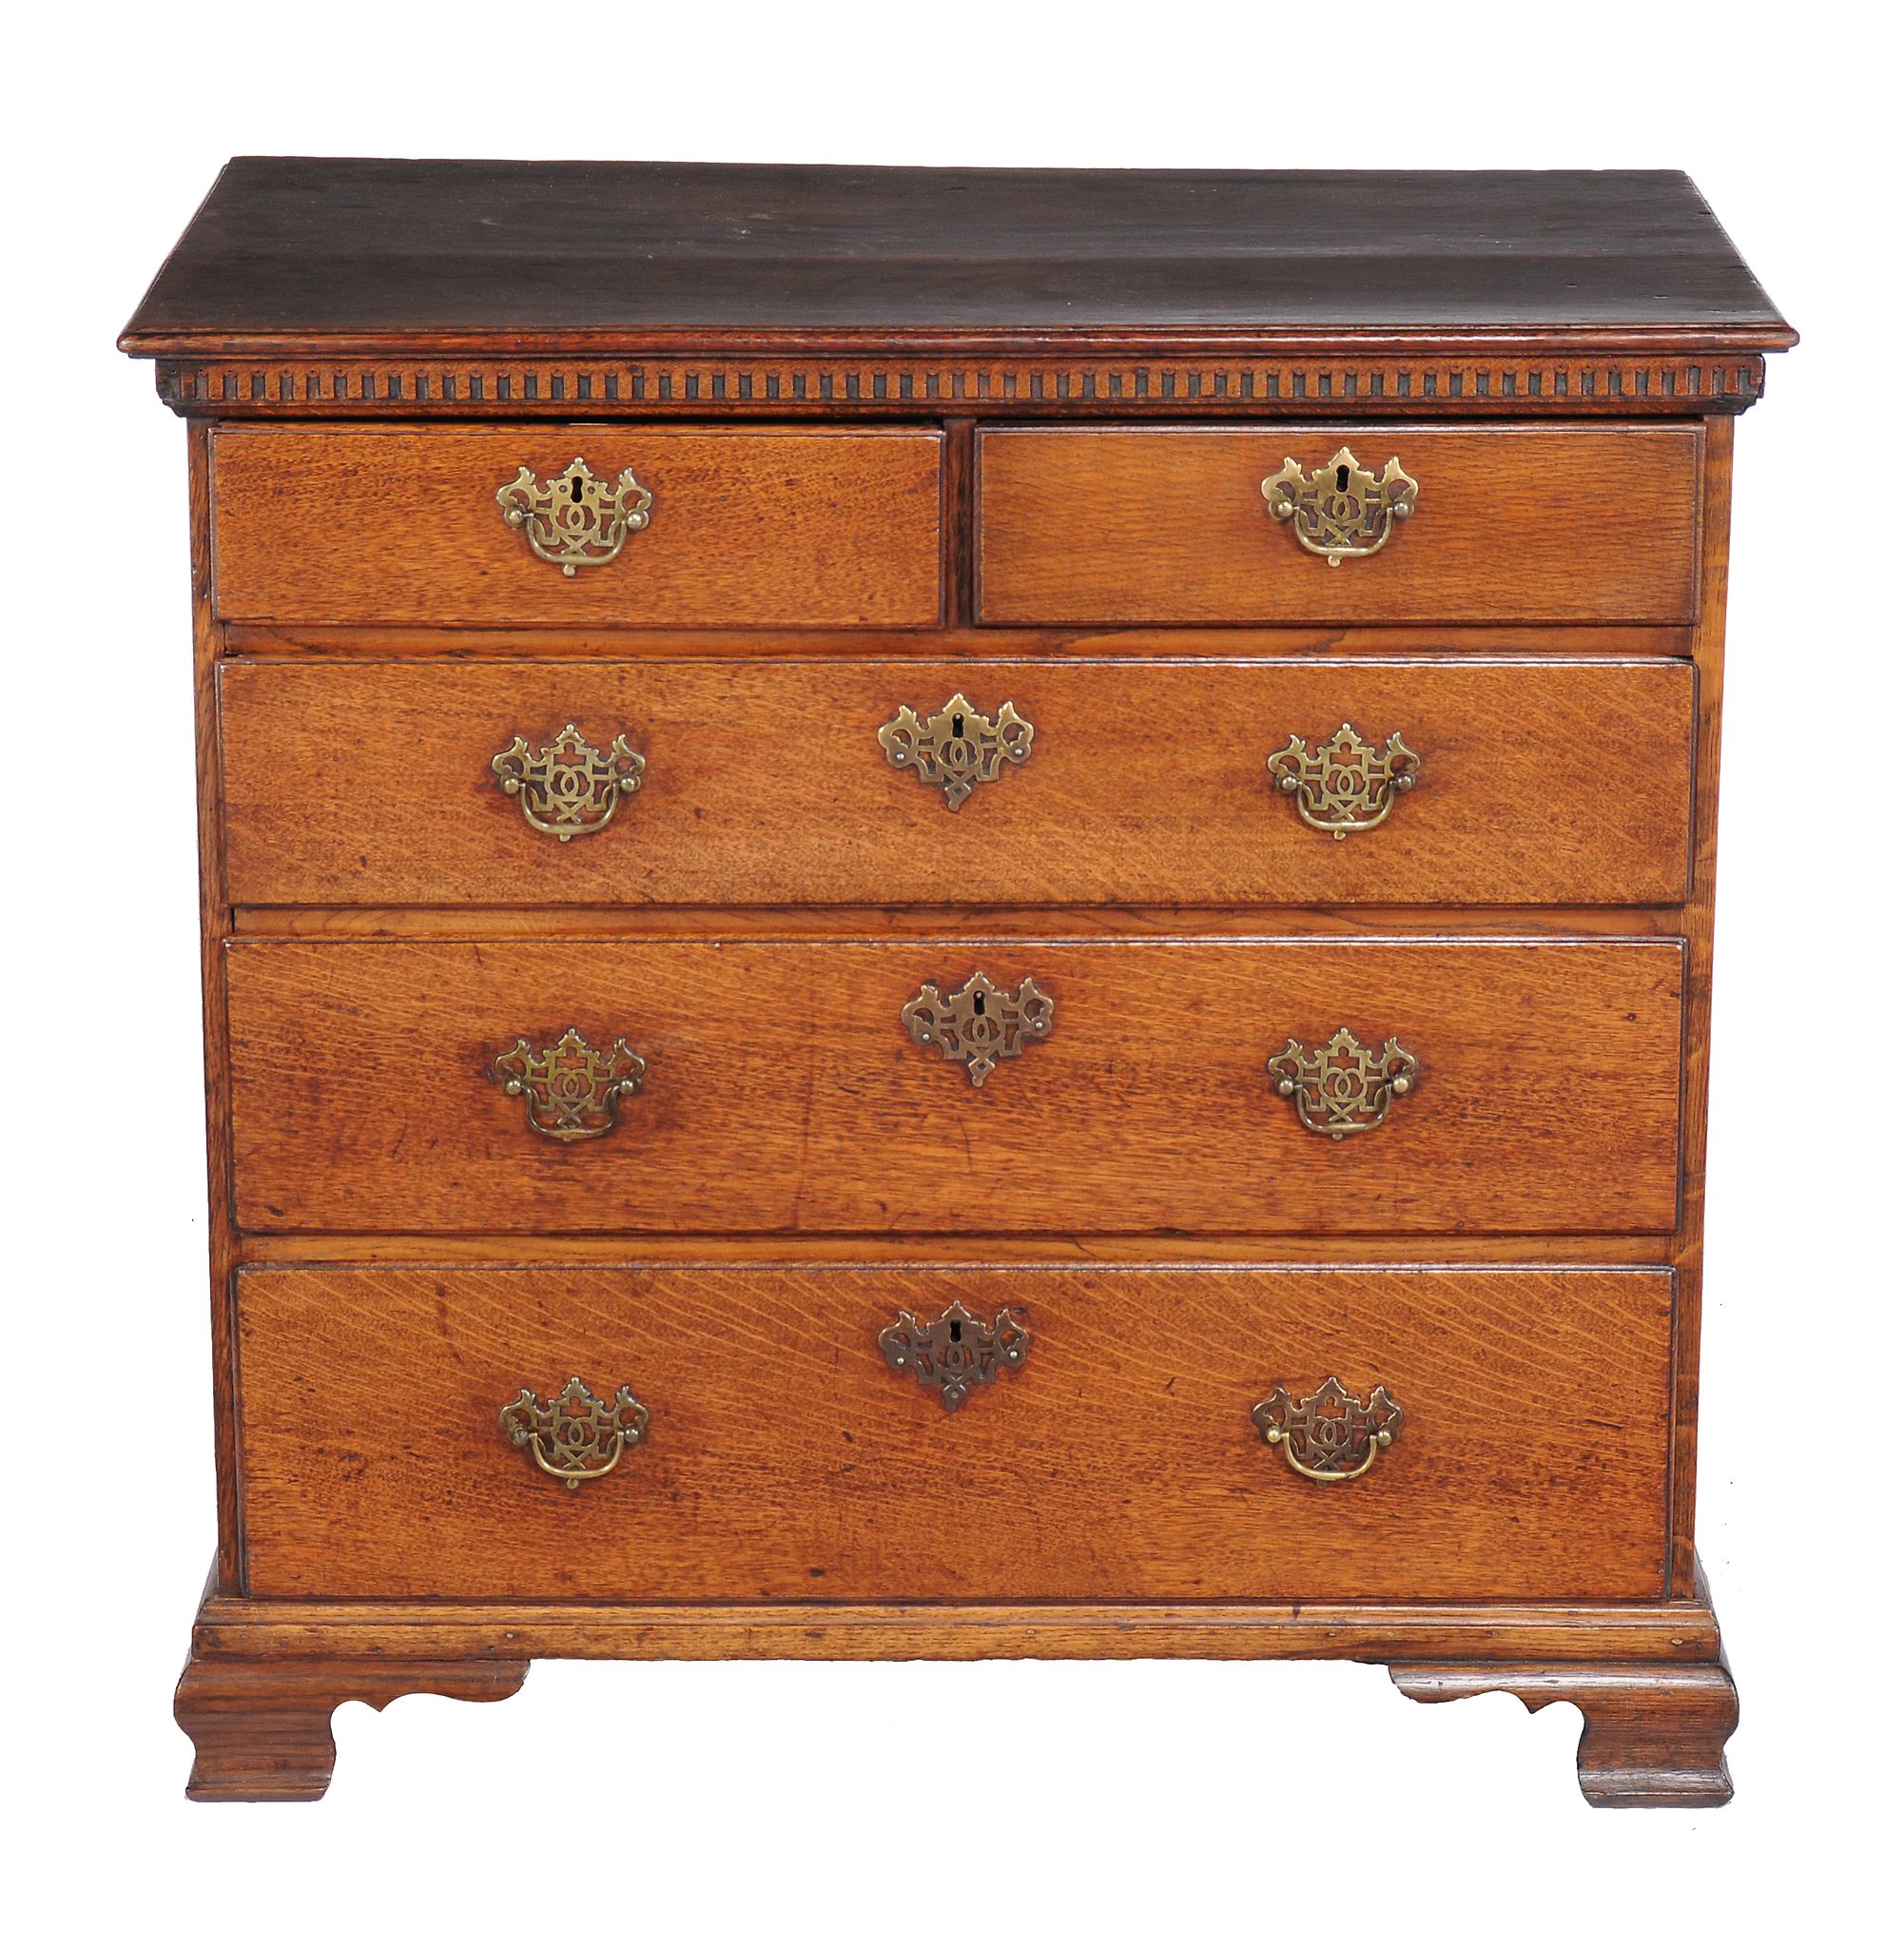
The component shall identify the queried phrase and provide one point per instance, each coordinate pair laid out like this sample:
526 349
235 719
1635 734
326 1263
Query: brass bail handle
571 1089
1343 1088
1331 1436
572 519
568 788
1344 785
572 1435
1340 510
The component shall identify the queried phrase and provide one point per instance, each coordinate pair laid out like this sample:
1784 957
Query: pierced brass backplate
575 1437
1331 1436
1344 785
955 1352
1343 1088
571 1090
1341 508
956 747
574 519
979 1025
569 786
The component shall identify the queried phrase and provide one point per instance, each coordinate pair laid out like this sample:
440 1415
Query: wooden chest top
1573 290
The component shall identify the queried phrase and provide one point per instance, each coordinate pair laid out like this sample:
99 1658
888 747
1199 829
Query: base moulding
1649 1678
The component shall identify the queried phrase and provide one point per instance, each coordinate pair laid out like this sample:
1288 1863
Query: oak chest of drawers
954 915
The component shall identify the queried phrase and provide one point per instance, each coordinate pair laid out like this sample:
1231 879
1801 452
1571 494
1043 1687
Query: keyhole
1341 480
957 725
977 1003
958 1331
575 490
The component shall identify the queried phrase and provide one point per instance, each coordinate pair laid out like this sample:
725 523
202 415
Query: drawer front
783 1090
1508 524
768 782
784 1457
397 525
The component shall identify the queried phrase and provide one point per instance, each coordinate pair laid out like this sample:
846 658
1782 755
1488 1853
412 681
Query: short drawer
401 525
1008 783
845 1086
1507 524
784 1455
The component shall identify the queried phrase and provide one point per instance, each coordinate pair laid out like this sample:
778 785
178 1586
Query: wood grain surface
1512 524
369 784
374 524
260 1727
1673 1631
784 1460
1689 1246
1653 1735
957 642
214 916
948 922
784 1094
366 249
902 1248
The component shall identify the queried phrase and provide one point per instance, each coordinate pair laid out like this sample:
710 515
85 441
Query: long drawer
1007 781
1503 524
368 524
1115 1452
845 1086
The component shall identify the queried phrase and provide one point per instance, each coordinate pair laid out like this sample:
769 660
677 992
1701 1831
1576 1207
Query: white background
1021 1802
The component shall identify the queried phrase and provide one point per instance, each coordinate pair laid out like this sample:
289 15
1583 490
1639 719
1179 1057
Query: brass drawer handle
956 747
1344 785
955 1352
569 1090
1341 509
978 1025
569 786
574 519
1343 1089
575 1436
1331 1436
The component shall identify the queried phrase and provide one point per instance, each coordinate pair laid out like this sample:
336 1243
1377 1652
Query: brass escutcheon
569 787
1331 1436
1344 785
956 1352
956 747
978 1025
1341 508
571 1090
1343 1089
574 519
575 1436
